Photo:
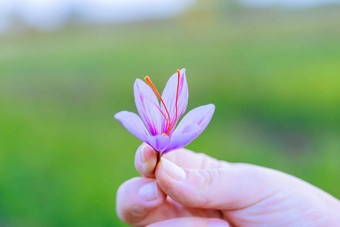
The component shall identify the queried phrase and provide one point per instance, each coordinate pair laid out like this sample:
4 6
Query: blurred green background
274 76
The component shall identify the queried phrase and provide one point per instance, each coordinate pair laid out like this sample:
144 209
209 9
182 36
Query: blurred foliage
273 75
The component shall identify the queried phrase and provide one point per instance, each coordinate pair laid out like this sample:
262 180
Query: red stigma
178 78
168 120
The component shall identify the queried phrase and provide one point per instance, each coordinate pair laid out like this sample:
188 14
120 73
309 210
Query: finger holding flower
190 189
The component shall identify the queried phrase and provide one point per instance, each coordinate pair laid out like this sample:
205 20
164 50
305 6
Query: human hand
190 189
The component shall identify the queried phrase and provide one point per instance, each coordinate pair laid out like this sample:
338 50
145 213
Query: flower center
167 118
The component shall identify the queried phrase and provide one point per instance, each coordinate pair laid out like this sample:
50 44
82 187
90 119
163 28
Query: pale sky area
287 3
52 14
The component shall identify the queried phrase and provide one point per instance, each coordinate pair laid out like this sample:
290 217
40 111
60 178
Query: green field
274 77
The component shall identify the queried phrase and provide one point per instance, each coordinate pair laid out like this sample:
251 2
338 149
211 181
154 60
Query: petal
200 116
181 140
191 126
148 107
159 142
169 97
133 124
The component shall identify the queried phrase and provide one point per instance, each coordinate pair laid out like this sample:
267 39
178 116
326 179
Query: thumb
234 186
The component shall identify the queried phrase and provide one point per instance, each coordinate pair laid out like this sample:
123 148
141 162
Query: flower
156 125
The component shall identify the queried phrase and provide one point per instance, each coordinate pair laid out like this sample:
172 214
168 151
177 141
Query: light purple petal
148 107
133 124
199 116
181 140
191 126
169 97
159 142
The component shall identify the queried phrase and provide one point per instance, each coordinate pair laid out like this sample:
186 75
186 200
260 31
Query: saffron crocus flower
156 125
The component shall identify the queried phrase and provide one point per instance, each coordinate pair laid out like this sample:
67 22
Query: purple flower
156 125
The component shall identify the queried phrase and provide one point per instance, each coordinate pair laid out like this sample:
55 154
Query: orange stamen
148 81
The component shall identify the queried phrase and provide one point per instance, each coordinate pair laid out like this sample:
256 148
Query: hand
190 189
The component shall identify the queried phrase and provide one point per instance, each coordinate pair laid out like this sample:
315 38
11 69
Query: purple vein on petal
148 107
159 142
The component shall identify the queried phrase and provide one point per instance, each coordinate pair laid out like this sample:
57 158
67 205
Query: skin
191 189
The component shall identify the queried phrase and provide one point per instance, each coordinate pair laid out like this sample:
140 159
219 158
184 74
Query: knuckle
207 179
206 183
133 214
212 184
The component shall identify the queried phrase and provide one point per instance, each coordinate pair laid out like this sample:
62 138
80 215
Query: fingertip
146 152
149 154
146 160
172 170
136 198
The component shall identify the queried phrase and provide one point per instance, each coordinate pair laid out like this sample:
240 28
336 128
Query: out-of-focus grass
273 76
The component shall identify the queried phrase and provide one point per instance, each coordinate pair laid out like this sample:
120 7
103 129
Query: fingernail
173 170
217 223
142 153
148 192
